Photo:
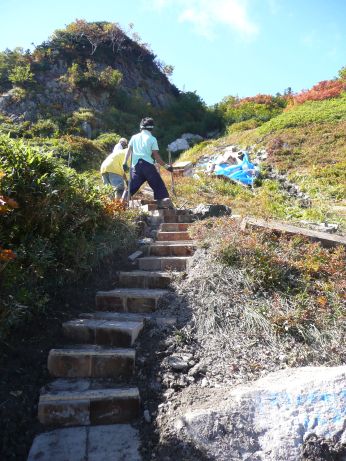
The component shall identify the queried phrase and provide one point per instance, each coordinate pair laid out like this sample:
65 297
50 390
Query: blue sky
217 47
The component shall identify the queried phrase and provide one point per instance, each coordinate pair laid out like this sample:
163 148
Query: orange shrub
326 89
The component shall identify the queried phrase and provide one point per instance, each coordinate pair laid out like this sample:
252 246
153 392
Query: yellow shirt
114 163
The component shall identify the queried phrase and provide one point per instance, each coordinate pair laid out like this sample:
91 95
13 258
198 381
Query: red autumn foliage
258 99
114 207
326 89
6 255
7 204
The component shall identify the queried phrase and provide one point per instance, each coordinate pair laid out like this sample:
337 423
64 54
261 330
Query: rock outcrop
270 419
52 92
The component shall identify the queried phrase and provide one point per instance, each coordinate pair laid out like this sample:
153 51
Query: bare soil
23 361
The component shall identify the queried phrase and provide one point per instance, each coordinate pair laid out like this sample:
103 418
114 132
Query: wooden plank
326 240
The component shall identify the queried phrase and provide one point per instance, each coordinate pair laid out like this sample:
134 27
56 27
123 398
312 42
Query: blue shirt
143 145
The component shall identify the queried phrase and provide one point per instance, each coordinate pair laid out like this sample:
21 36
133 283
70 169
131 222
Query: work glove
125 167
169 168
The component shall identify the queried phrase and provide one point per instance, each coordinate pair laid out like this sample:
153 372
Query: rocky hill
91 66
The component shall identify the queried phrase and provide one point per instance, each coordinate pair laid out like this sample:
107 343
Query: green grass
197 151
331 111
308 142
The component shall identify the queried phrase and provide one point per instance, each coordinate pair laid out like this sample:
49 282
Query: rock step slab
171 249
103 332
174 227
163 263
82 403
91 362
149 207
172 216
97 443
129 299
115 316
144 279
172 236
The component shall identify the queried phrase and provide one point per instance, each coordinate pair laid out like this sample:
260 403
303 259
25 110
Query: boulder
178 145
270 419
192 138
186 141
203 211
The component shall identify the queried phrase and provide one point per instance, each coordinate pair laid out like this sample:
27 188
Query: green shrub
107 141
261 107
45 129
21 75
110 78
18 94
79 153
63 227
243 126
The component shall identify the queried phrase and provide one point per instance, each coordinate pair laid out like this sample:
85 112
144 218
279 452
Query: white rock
178 362
192 138
269 419
204 382
178 145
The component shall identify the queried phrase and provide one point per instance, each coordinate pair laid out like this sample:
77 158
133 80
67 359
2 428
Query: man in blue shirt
144 150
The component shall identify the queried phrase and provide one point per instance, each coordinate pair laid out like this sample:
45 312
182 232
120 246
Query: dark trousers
145 171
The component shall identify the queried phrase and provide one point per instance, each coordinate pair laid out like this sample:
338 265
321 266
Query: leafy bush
14 130
64 225
21 75
107 141
9 59
243 126
45 129
110 78
18 94
326 89
261 108
79 153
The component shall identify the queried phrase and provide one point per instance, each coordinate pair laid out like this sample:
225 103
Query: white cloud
207 16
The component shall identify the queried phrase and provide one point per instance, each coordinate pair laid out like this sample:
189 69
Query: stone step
173 216
174 227
144 279
163 263
86 402
129 299
149 207
151 317
91 361
172 236
116 442
102 332
171 249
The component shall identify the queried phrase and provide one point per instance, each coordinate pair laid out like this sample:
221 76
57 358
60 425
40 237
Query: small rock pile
291 189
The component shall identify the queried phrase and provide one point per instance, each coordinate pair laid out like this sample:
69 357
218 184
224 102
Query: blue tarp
245 172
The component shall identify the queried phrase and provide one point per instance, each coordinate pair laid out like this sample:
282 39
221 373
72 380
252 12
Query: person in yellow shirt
112 172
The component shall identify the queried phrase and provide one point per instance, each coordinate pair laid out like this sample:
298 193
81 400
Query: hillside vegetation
306 140
92 78
55 227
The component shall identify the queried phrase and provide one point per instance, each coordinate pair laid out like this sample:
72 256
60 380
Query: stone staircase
91 404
